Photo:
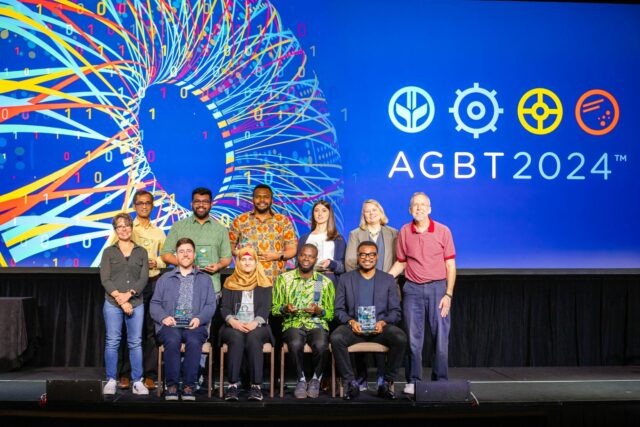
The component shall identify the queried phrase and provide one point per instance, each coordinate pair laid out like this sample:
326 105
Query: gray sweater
122 274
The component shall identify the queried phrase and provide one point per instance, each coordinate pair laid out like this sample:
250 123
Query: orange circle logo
597 112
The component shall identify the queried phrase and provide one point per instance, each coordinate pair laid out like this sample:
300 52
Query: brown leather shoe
149 383
124 383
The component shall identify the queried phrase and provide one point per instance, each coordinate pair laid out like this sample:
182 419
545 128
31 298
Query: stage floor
505 396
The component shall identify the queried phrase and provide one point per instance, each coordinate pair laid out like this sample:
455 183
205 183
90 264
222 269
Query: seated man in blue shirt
182 306
368 306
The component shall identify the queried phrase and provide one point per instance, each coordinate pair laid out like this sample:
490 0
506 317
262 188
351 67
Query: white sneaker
139 388
109 387
409 388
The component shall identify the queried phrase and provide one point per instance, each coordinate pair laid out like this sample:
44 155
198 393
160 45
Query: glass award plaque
182 318
203 256
244 312
367 318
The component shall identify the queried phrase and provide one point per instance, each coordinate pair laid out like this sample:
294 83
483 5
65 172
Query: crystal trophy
182 318
203 256
244 312
367 318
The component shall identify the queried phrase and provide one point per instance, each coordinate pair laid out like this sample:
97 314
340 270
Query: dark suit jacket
385 297
261 302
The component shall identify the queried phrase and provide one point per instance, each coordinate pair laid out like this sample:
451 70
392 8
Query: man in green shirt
213 250
305 299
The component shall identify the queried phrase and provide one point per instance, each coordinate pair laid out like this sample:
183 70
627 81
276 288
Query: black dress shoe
385 392
352 392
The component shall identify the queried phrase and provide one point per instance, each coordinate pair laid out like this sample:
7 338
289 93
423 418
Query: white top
245 312
326 248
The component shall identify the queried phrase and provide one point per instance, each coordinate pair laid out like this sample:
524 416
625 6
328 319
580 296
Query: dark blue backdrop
516 189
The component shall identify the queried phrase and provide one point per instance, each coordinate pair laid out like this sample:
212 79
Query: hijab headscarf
243 281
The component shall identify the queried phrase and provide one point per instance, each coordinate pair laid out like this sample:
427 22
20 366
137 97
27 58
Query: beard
367 269
203 216
262 211
305 269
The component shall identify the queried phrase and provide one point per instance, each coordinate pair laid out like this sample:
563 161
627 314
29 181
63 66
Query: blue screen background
325 131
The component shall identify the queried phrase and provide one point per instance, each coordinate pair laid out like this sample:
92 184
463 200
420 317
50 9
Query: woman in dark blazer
324 235
246 303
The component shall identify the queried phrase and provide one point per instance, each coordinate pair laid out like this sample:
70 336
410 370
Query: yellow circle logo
534 108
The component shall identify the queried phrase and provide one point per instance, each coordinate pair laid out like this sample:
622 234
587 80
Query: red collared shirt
425 252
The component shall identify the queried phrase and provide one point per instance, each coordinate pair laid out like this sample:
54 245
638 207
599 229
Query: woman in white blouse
327 239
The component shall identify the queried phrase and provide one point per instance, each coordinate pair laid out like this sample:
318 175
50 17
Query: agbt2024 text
520 166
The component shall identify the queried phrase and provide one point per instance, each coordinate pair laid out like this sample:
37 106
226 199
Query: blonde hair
383 218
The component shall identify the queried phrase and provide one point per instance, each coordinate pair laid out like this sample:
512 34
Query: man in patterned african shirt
305 298
270 234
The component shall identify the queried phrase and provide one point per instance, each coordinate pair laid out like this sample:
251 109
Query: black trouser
317 338
249 344
391 336
149 341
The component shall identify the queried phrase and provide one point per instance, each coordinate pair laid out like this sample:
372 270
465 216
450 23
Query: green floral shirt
292 289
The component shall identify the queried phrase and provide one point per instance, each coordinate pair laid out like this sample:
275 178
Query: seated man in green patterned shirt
305 298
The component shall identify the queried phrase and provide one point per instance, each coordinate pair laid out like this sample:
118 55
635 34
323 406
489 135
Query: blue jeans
422 300
113 318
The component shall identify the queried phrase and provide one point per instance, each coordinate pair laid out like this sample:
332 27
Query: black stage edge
568 346
589 396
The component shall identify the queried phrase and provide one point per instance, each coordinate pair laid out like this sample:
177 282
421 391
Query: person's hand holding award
195 322
290 309
313 309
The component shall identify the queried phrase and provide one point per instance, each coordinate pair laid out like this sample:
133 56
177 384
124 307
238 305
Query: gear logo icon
480 108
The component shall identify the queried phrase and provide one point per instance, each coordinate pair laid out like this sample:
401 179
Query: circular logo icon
597 112
472 102
411 109
546 117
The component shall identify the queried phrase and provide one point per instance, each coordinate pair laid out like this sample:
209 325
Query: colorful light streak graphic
73 81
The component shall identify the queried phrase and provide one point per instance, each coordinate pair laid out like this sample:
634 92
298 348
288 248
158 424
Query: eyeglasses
369 255
144 203
122 227
201 202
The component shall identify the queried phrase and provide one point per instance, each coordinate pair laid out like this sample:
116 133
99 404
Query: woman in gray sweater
124 271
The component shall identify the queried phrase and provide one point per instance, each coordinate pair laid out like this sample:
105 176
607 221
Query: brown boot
149 383
124 383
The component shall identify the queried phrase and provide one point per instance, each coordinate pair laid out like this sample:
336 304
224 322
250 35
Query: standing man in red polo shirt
426 254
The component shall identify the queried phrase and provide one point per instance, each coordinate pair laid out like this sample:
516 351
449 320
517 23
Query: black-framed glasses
144 203
201 202
369 255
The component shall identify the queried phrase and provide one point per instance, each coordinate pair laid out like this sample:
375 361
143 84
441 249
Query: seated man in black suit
368 307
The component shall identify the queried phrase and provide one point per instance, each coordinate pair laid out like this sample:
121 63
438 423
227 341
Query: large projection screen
516 118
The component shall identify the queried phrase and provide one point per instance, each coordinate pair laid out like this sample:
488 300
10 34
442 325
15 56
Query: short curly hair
122 215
